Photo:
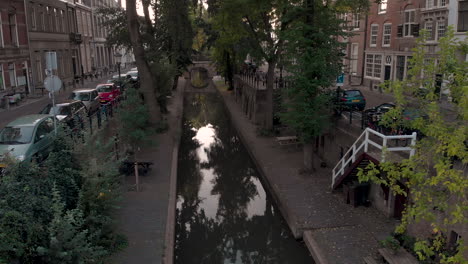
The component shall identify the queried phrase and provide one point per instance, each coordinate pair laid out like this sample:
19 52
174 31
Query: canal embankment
334 231
225 213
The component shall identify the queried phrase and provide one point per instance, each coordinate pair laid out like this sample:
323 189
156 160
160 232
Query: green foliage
435 176
133 116
115 20
55 213
391 243
313 36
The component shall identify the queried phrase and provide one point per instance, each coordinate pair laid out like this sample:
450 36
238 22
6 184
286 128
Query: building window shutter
415 30
400 31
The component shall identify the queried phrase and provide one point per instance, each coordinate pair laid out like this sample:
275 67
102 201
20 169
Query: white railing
362 144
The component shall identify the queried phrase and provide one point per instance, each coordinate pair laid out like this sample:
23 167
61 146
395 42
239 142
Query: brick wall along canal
223 212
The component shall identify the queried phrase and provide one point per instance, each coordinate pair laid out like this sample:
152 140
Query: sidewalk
334 232
143 215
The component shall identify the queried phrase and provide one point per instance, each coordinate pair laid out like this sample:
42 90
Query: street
36 105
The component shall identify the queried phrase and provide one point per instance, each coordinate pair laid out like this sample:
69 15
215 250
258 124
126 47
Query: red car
108 93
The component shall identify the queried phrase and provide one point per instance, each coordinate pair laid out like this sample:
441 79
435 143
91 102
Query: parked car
89 97
374 115
123 76
108 93
134 69
351 99
72 112
27 138
133 75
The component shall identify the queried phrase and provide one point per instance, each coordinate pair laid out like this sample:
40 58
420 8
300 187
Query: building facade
104 55
458 17
52 27
84 25
15 62
384 38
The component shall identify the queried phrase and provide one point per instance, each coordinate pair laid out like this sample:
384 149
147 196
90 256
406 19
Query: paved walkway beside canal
143 215
335 232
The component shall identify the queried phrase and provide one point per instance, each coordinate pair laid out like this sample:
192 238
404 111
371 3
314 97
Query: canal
223 213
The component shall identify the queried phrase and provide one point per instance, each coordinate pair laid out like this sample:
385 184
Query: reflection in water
223 212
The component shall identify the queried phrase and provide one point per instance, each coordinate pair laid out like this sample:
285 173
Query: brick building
14 50
384 38
52 27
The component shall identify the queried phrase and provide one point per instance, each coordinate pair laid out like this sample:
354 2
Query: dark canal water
223 213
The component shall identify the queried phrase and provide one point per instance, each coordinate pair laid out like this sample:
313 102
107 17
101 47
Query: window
90 29
57 20
387 34
408 66
79 21
12 74
383 7
443 3
441 27
409 23
373 65
2 79
356 21
373 35
400 67
13 29
44 128
354 58
41 18
33 18
428 27
62 20
46 18
1 32
38 66
462 16
429 3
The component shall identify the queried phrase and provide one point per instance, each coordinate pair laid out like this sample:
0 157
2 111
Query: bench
370 260
128 167
400 257
287 141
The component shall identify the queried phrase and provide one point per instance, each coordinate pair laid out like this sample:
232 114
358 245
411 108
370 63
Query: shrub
59 212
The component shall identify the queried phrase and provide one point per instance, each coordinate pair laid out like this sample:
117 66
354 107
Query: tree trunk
229 72
147 85
269 98
175 82
308 156
149 25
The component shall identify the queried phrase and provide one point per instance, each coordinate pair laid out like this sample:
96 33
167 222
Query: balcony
76 38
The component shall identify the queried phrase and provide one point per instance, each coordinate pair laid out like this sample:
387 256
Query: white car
132 74
89 97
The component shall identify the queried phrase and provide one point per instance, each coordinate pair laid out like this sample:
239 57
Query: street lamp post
118 60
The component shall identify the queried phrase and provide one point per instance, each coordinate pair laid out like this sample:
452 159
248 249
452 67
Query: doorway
388 71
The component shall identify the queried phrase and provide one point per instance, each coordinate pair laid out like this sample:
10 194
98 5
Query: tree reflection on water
223 212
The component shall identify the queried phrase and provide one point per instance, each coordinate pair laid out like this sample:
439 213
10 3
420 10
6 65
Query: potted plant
391 243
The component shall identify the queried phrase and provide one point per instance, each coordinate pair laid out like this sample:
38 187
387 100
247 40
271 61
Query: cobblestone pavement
344 234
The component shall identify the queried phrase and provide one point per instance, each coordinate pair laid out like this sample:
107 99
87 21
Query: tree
315 60
436 175
178 34
262 23
147 84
